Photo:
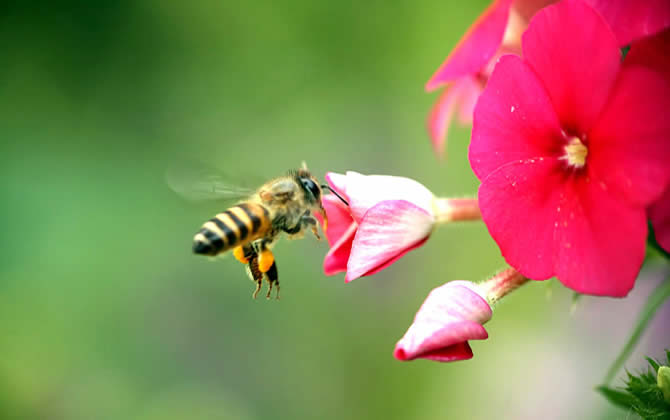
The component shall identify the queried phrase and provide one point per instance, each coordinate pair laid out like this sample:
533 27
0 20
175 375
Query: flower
451 315
577 144
498 31
386 217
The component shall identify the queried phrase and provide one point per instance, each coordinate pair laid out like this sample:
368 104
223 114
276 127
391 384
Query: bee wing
197 183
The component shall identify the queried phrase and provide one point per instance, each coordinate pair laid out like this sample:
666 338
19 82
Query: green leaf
654 302
616 397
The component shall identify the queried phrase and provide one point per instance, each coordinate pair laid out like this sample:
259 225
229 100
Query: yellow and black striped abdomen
238 225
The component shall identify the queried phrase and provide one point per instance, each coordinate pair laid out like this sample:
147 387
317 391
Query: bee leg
273 278
259 283
255 273
312 223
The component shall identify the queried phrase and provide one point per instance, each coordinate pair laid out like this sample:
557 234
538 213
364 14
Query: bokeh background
106 314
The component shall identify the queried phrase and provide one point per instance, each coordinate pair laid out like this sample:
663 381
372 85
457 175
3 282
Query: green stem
654 302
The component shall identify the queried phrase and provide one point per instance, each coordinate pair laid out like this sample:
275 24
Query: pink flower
387 217
451 315
571 147
498 31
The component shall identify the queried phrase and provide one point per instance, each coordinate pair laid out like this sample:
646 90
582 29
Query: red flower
498 31
571 148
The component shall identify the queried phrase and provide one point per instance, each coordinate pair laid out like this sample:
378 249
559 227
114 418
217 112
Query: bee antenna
335 192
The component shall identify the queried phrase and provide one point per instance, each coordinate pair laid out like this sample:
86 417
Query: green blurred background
106 314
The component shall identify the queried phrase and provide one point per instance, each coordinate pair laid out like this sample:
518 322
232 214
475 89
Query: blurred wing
199 183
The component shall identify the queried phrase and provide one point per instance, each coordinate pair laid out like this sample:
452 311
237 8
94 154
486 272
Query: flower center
575 153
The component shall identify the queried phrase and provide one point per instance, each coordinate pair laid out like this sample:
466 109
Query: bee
283 205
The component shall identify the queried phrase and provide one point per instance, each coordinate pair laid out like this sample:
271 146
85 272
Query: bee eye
311 187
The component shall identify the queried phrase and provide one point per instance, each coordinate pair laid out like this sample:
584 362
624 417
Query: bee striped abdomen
238 225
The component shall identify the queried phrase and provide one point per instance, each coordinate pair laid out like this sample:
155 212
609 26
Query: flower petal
576 55
337 257
514 119
338 182
659 213
651 52
600 241
451 315
365 191
633 19
592 241
476 47
519 202
339 218
440 117
470 93
630 144
387 230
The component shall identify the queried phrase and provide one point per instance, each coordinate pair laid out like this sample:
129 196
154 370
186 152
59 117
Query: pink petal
365 191
451 315
396 258
600 241
659 213
513 119
386 231
470 93
440 117
633 19
337 257
576 55
629 148
339 218
519 203
476 47
338 182
575 230
651 52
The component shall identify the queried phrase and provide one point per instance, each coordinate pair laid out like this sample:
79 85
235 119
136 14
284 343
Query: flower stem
501 284
654 302
456 209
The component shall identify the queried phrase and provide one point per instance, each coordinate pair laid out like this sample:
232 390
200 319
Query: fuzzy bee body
250 228
236 226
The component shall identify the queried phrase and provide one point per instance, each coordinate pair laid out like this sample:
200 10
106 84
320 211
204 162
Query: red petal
659 213
513 120
440 117
600 241
634 19
338 256
547 222
339 218
476 47
519 203
629 149
652 52
577 57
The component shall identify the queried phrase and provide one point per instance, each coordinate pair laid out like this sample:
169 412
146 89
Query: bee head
310 186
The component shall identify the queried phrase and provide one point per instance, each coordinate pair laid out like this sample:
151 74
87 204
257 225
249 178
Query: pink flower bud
387 217
451 315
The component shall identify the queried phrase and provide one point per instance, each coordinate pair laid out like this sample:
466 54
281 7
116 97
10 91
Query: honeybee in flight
281 205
